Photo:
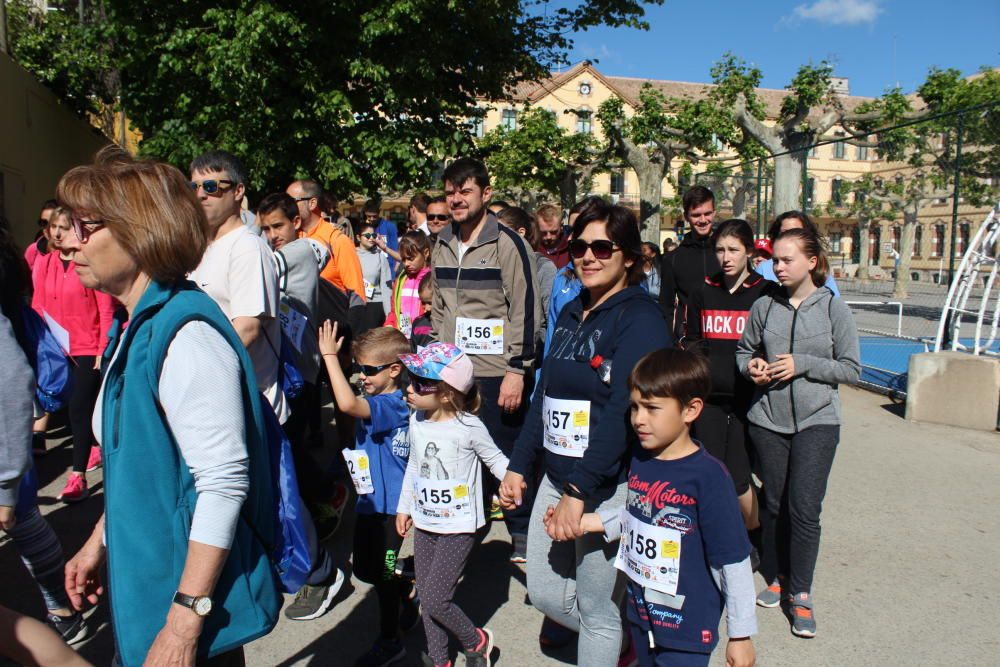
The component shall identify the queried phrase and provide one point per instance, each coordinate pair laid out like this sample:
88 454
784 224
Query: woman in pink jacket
85 315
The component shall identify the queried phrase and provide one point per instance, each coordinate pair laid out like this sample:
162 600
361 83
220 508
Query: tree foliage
539 158
361 95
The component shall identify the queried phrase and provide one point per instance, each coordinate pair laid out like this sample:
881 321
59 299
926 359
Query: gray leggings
794 469
576 583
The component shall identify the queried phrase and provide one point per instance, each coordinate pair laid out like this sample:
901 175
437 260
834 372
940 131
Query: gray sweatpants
576 583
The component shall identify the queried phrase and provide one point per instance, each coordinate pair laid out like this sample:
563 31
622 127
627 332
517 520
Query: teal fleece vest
150 494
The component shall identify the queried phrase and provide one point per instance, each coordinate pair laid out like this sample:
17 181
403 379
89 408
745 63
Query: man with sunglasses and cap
237 269
343 270
486 303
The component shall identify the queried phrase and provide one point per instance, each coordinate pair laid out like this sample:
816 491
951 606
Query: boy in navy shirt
683 544
377 465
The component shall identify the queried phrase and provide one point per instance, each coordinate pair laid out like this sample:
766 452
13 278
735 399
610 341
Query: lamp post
4 45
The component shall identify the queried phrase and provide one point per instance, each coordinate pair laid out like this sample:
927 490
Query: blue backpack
290 551
53 375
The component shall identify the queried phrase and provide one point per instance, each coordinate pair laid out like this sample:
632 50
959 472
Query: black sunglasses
84 228
440 217
424 386
211 185
370 371
369 235
601 248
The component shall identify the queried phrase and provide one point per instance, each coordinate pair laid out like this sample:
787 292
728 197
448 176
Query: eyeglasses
211 185
370 371
440 217
298 199
423 386
84 228
368 235
601 248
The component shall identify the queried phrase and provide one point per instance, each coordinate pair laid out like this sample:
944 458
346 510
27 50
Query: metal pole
805 179
4 46
760 220
954 197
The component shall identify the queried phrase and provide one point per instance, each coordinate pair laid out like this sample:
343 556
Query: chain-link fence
897 206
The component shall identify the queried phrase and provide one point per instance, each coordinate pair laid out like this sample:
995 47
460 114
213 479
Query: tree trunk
650 201
568 189
787 182
864 241
902 283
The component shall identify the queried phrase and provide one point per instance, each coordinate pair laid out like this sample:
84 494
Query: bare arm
248 329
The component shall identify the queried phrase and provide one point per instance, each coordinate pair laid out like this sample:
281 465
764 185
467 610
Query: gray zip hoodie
17 391
823 340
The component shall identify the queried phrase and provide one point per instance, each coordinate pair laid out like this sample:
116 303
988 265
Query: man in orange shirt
344 268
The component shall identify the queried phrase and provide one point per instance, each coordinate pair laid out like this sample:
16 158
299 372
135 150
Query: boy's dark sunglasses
440 217
84 228
601 248
210 186
369 371
423 386
368 235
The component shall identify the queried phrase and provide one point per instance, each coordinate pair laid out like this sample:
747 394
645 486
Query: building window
835 241
862 152
918 241
617 183
583 121
897 232
962 242
837 192
813 152
476 123
937 241
839 148
508 120
810 189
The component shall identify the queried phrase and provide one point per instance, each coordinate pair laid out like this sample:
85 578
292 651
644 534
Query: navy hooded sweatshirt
622 330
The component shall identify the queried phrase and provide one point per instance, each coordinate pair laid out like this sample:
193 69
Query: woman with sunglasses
580 416
187 483
85 316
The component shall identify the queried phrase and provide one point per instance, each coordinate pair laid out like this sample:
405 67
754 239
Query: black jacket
682 273
716 320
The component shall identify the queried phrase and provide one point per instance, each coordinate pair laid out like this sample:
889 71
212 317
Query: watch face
203 606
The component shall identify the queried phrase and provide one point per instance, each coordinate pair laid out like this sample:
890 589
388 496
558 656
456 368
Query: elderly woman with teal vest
188 503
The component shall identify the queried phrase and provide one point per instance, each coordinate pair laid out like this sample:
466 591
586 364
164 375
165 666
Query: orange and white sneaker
803 619
75 489
94 461
771 596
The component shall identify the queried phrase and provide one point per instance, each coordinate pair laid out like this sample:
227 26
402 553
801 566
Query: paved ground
905 576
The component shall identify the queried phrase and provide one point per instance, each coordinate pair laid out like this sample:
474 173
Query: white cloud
838 12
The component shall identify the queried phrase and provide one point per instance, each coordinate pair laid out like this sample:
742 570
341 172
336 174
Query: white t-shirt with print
238 272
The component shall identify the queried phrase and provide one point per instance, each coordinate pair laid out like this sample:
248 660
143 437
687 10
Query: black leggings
86 385
376 548
723 432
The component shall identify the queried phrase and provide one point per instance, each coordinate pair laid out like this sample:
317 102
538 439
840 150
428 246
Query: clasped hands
562 522
763 373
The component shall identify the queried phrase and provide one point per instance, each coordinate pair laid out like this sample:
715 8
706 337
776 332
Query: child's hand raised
328 341
403 523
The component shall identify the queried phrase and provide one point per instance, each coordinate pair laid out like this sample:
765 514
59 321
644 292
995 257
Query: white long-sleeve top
202 398
451 450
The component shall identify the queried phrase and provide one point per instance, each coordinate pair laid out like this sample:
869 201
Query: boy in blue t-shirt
377 465
683 543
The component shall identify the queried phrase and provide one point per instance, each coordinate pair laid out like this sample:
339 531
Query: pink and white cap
444 362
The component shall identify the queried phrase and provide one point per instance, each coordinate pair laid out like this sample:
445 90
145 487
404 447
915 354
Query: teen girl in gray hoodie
799 344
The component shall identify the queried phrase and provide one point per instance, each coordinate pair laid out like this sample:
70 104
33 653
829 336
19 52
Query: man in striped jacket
486 304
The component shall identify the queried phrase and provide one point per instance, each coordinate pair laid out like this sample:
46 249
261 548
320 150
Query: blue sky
687 36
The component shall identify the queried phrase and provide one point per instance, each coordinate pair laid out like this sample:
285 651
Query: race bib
567 426
405 324
293 323
650 555
369 290
443 505
361 473
479 336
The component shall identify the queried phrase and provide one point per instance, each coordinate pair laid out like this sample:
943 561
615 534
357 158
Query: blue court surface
886 361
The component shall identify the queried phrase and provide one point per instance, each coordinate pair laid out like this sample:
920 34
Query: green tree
857 204
363 96
539 159
926 151
649 140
